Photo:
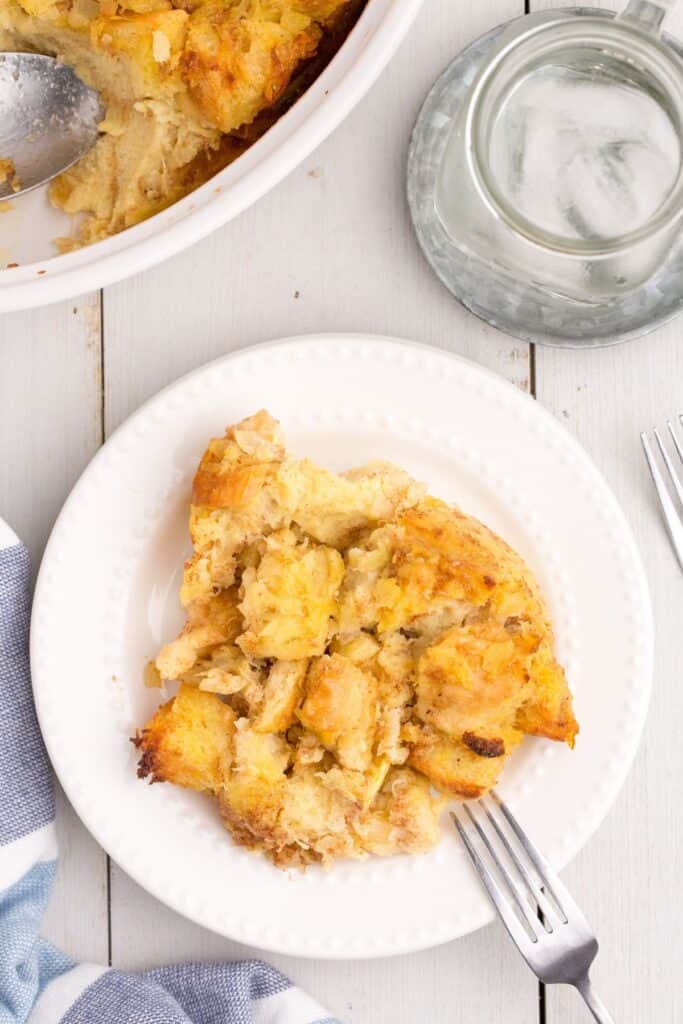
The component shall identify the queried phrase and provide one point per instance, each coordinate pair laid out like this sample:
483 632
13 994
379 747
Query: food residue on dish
8 174
187 87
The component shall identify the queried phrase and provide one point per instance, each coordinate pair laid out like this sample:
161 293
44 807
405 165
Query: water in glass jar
583 148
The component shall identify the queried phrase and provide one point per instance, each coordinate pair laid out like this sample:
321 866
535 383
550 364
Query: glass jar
564 165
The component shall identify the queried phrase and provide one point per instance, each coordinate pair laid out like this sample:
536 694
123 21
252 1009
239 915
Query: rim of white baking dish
360 60
610 509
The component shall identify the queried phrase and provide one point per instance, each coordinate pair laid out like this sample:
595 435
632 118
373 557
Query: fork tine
675 480
551 883
517 932
674 438
549 910
528 919
671 518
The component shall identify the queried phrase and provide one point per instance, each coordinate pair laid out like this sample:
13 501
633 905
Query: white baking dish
28 229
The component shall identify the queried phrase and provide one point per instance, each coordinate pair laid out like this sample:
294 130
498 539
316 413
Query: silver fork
541 917
672 515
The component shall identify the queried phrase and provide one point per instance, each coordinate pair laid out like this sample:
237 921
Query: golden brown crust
234 469
474 678
453 766
235 489
188 742
239 58
364 645
548 711
340 708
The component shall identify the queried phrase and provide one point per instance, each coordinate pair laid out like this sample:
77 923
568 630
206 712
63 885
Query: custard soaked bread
186 84
354 652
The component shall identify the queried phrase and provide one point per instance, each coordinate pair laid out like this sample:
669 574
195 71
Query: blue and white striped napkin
40 984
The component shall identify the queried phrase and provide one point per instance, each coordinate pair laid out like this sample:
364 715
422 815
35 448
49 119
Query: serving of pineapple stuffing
355 652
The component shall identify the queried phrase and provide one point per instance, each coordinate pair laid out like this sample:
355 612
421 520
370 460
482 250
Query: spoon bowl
48 119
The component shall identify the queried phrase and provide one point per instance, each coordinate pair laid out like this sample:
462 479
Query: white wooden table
332 249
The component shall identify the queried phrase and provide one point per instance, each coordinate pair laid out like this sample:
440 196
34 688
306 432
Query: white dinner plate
106 600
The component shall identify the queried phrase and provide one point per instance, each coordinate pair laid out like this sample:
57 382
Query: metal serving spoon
48 119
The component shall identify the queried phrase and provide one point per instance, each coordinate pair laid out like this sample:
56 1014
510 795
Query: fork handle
593 1002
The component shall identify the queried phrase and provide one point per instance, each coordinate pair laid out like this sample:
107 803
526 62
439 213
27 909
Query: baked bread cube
189 741
403 819
282 693
340 708
456 767
239 57
289 600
